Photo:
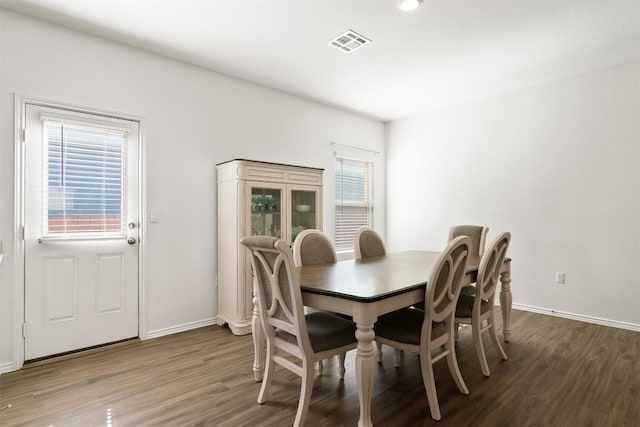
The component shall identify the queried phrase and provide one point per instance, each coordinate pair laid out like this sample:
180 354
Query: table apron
352 307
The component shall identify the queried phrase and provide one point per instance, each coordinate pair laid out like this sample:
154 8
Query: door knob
132 240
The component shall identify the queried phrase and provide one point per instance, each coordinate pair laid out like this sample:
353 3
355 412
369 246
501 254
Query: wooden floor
559 373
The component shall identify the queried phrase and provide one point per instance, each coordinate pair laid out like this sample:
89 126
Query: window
84 180
354 199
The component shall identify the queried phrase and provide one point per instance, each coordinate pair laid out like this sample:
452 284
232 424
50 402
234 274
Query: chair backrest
490 265
443 287
313 247
277 288
477 233
367 243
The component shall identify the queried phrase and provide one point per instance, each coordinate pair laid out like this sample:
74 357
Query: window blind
354 199
84 175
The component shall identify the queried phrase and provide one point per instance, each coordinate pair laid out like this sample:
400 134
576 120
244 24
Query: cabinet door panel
304 209
266 216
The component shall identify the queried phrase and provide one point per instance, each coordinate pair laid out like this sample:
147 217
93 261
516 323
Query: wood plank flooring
559 373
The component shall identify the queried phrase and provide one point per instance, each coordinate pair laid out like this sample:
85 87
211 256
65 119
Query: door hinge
24 135
24 330
23 233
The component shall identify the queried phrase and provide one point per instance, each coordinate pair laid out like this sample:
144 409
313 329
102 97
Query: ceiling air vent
349 41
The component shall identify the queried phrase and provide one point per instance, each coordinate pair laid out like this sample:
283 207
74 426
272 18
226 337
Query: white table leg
258 342
365 364
506 299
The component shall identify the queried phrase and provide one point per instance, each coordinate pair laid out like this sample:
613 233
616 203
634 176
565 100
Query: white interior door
81 230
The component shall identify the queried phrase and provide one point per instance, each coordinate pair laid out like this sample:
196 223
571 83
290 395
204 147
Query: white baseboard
6 367
180 328
579 317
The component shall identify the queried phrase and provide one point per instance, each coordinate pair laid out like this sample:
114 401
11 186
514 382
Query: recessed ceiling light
349 41
408 5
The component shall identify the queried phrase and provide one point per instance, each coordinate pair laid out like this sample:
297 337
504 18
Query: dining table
368 288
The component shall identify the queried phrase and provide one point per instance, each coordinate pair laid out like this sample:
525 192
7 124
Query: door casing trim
20 103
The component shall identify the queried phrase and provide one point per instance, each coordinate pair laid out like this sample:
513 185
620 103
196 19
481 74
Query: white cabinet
258 199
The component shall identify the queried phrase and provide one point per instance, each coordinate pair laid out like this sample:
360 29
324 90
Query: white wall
193 119
557 164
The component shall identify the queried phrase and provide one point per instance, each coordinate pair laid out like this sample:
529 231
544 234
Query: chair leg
477 342
428 378
397 356
454 368
379 353
341 358
268 376
494 338
305 393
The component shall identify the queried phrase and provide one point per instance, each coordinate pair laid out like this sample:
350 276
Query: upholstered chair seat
326 331
405 325
465 306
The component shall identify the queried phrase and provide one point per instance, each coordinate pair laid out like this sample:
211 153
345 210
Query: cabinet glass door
304 211
266 216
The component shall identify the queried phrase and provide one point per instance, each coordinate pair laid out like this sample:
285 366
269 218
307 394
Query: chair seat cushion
465 306
468 290
326 331
405 326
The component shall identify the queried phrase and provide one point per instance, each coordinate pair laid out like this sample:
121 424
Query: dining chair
425 331
477 310
289 332
367 243
477 233
312 247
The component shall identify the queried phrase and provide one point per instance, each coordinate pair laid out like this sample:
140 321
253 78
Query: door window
84 189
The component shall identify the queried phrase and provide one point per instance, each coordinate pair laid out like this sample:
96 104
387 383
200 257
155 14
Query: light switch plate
153 215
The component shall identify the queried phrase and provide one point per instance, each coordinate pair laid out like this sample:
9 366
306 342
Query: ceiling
443 53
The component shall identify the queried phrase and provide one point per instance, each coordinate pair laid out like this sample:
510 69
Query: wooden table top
375 278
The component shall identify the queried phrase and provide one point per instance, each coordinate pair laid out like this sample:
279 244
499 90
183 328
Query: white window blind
84 189
354 199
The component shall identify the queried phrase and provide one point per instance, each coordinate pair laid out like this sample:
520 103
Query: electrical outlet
559 278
